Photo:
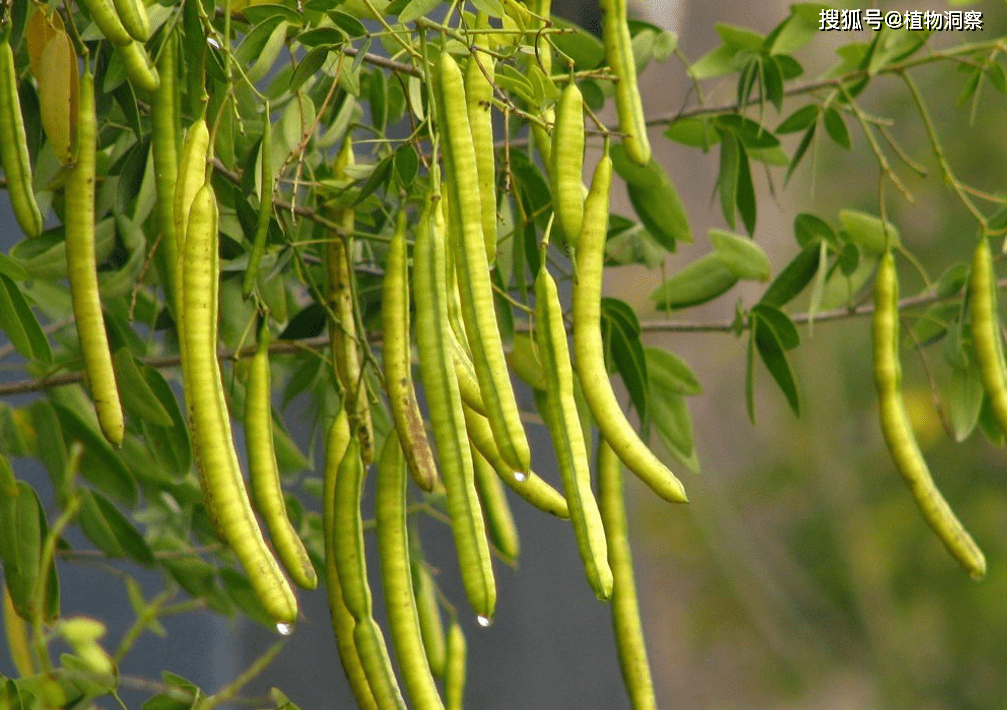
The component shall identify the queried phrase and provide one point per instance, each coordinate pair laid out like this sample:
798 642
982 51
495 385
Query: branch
287 347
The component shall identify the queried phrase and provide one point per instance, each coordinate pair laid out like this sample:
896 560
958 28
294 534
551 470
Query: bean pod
263 474
619 55
396 579
625 607
589 351
446 416
396 358
986 331
227 498
14 147
82 269
336 444
560 414
898 433
472 268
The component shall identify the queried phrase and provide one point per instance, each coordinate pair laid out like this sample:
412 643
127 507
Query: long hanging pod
472 267
446 415
224 487
625 607
82 269
897 431
14 145
336 443
589 349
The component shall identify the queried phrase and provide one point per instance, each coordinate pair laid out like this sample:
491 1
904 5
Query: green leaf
698 282
22 524
50 447
868 231
11 268
110 531
378 94
799 119
239 590
309 66
693 132
740 37
583 47
14 428
493 8
524 361
407 164
20 323
168 445
630 243
809 229
933 325
730 158
773 356
802 148
256 14
348 24
794 277
750 133
308 323
101 464
138 398
654 198
965 400
193 574
716 63
670 373
750 376
622 329
670 415
382 172
795 31
415 9
783 327
836 128
328 38
742 256
746 191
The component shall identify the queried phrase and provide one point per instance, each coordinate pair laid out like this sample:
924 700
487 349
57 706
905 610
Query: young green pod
351 566
589 350
133 15
343 335
337 442
626 622
446 416
396 578
108 22
479 75
140 70
164 144
499 518
224 487
472 268
14 147
566 169
897 431
619 55
397 363
986 331
560 414
529 486
454 670
263 474
431 628
82 269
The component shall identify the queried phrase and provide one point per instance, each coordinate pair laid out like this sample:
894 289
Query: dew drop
484 621
284 629
520 476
